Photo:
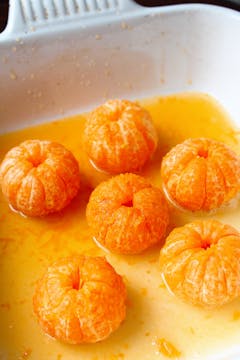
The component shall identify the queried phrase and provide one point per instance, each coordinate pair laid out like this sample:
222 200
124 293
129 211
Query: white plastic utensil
25 14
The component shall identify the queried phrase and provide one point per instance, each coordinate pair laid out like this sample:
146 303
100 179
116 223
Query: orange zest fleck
5 306
167 349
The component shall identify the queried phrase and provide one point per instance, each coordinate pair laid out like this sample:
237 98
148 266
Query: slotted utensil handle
27 14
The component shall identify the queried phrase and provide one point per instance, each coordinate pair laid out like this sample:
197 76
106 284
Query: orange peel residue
201 174
80 299
200 263
120 136
167 349
39 177
127 214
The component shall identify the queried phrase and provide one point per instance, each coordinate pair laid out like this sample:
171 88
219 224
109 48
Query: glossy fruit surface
201 174
80 299
127 214
39 177
200 263
120 136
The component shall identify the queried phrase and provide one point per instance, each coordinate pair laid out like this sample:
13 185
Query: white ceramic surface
50 67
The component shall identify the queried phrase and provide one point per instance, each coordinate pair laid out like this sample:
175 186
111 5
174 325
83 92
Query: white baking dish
54 65
67 56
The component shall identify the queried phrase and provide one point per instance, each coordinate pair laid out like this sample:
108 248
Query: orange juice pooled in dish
157 324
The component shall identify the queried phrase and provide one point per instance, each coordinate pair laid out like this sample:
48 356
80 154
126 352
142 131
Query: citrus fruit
39 177
80 299
127 214
201 174
200 263
120 136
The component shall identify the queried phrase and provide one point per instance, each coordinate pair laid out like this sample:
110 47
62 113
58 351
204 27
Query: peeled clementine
127 214
80 299
120 136
201 174
200 263
39 177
